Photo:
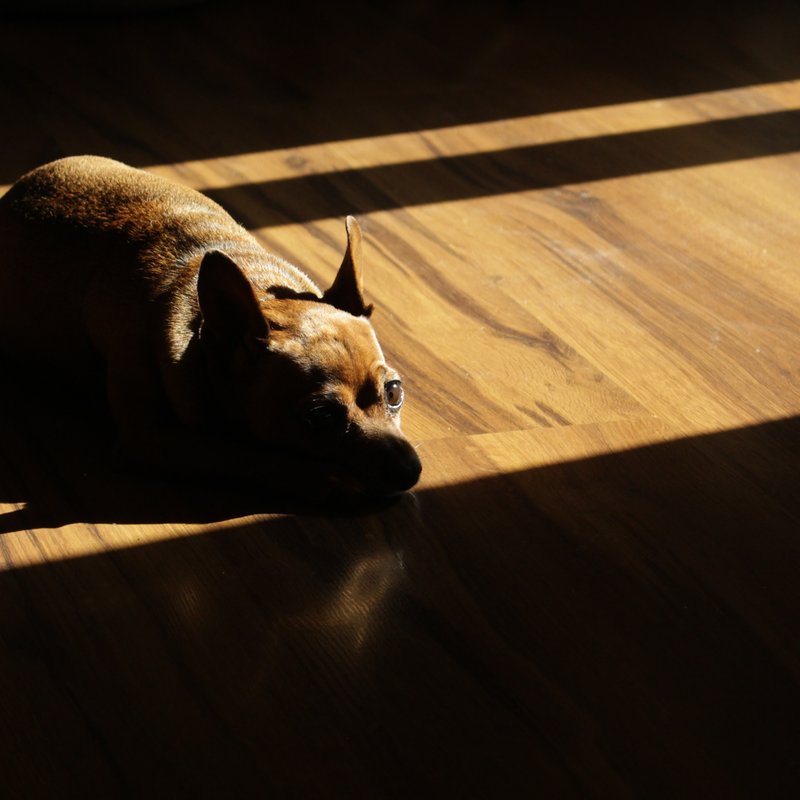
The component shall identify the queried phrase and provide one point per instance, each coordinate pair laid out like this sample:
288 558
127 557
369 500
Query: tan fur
218 355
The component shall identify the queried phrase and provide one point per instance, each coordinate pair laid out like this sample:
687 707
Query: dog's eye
327 417
394 395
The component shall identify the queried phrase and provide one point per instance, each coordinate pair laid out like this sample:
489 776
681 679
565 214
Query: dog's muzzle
392 466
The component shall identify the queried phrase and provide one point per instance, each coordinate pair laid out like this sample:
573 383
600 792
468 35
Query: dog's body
219 357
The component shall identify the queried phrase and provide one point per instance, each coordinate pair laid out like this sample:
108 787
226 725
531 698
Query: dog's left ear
346 292
228 303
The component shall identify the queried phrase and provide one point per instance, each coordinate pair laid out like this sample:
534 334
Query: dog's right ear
347 290
227 302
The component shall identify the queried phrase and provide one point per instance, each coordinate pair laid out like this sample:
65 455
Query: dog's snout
397 469
406 469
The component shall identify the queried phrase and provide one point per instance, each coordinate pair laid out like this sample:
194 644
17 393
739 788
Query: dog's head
307 374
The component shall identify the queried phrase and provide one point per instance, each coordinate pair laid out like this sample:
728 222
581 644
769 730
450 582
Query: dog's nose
406 472
399 468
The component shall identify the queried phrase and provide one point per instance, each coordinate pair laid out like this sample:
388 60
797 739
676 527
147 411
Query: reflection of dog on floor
219 357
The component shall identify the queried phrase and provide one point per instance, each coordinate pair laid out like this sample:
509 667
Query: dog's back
91 246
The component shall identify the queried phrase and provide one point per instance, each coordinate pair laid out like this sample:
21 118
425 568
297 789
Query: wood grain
582 235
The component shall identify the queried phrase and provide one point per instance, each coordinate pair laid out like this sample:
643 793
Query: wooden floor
582 230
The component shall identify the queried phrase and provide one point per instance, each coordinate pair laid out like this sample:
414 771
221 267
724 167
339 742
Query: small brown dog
219 358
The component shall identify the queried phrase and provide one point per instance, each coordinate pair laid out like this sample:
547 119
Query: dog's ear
346 292
227 302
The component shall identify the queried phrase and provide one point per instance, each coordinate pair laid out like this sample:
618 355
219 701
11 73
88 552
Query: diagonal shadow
625 624
321 195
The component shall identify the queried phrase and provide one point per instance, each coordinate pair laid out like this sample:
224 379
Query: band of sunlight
469 139
459 140
75 540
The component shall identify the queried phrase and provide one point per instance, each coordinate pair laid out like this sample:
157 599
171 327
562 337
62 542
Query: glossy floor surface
582 232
